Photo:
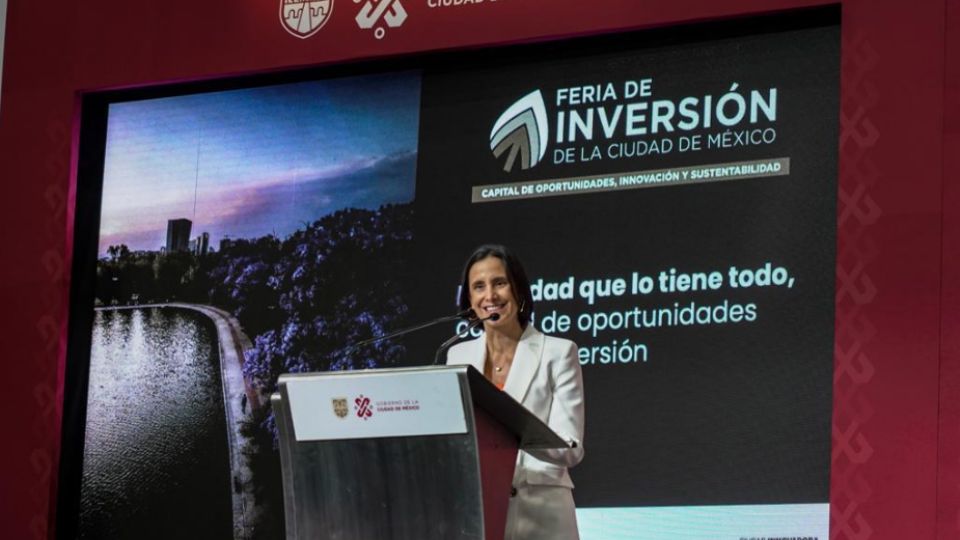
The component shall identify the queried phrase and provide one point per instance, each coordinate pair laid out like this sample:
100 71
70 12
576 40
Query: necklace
506 361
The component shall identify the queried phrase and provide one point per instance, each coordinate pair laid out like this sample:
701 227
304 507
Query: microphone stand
405 331
448 343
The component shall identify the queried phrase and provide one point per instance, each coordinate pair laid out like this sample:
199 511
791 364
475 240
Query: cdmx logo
363 407
390 12
303 18
521 132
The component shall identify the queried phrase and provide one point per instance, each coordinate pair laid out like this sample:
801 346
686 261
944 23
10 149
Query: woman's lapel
525 363
477 354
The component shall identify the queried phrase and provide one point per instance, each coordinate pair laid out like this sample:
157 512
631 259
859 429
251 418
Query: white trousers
542 513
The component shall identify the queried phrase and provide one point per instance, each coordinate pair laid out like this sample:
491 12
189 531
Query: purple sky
259 161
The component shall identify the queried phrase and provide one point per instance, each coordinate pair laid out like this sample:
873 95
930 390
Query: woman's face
490 292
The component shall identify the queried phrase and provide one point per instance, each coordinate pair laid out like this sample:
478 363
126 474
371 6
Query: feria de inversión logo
303 18
521 132
612 120
602 122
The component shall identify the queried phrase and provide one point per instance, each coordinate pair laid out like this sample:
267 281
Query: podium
400 454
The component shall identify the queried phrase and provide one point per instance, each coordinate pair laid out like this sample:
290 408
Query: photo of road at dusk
243 234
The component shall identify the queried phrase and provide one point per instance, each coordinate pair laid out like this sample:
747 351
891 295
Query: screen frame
92 126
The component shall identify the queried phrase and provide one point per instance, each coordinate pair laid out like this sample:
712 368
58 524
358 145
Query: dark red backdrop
896 455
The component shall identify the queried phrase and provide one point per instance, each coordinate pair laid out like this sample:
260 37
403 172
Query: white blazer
546 378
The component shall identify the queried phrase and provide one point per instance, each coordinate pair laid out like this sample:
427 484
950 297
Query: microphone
473 324
465 314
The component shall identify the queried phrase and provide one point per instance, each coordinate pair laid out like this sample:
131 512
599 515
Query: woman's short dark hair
517 277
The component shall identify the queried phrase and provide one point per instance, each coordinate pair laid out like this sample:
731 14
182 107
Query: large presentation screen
672 195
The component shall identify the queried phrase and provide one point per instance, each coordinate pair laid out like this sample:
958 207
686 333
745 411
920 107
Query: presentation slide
675 208
672 196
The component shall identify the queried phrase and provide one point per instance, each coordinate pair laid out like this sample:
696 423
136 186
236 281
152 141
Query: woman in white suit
541 372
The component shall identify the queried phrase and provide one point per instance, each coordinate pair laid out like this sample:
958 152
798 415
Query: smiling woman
541 372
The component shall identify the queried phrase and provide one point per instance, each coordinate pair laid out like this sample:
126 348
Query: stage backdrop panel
890 211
